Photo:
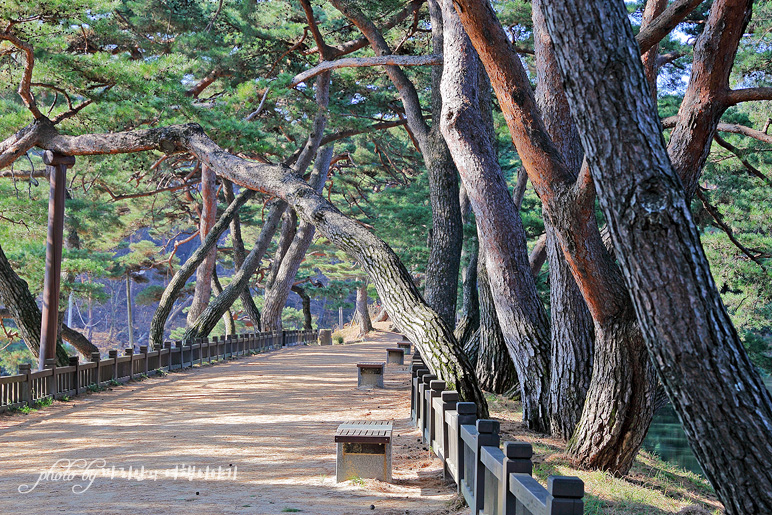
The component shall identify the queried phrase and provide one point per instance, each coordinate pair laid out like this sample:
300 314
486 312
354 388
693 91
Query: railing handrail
451 430
28 387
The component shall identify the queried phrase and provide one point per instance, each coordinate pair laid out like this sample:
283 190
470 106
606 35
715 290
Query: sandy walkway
266 422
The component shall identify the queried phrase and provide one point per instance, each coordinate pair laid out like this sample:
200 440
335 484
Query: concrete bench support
325 337
363 450
370 375
405 346
395 356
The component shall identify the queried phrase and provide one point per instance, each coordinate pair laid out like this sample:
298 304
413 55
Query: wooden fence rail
492 479
28 387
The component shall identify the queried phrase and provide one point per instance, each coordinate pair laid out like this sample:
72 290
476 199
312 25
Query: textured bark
77 340
227 318
723 405
208 218
470 312
289 227
23 309
276 296
362 312
129 311
521 315
609 443
239 281
495 368
571 325
306 300
239 255
181 276
705 99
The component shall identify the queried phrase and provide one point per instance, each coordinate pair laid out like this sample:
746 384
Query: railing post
113 354
129 351
414 399
96 358
565 495
467 414
75 362
435 390
53 384
422 389
449 401
26 387
487 436
143 351
517 460
168 347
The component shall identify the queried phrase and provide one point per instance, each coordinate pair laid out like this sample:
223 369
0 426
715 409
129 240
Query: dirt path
264 423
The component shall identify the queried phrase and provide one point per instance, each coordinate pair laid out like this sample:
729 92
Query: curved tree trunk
276 295
23 309
180 277
306 300
203 289
722 402
495 369
227 318
521 315
568 201
470 312
239 255
362 311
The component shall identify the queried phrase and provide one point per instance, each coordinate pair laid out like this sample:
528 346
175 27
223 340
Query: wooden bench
363 450
370 375
395 356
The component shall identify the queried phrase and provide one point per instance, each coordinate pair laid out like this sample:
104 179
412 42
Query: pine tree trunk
227 318
522 317
363 313
203 290
177 283
470 312
722 402
495 369
276 296
239 255
306 300
129 311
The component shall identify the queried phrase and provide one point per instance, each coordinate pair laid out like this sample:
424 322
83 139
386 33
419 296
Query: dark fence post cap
428 378
486 425
466 408
95 356
449 396
50 363
52 158
143 349
128 351
25 368
437 385
113 353
518 450
565 487
73 360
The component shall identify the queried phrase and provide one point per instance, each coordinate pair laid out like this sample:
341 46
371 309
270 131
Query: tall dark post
56 165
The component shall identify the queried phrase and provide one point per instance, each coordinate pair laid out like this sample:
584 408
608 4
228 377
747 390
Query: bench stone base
363 460
369 377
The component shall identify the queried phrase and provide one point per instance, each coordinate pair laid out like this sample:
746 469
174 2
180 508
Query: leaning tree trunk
521 314
568 200
239 255
722 402
362 311
177 283
129 310
495 369
24 311
203 289
276 296
227 318
306 300
571 324
470 312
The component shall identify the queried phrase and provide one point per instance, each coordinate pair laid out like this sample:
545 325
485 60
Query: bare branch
664 23
728 230
736 96
26 79
738 153
383 60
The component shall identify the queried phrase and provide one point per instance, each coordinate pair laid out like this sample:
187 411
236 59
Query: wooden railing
28 388
492 479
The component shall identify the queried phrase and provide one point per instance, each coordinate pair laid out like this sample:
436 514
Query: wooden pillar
56 165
